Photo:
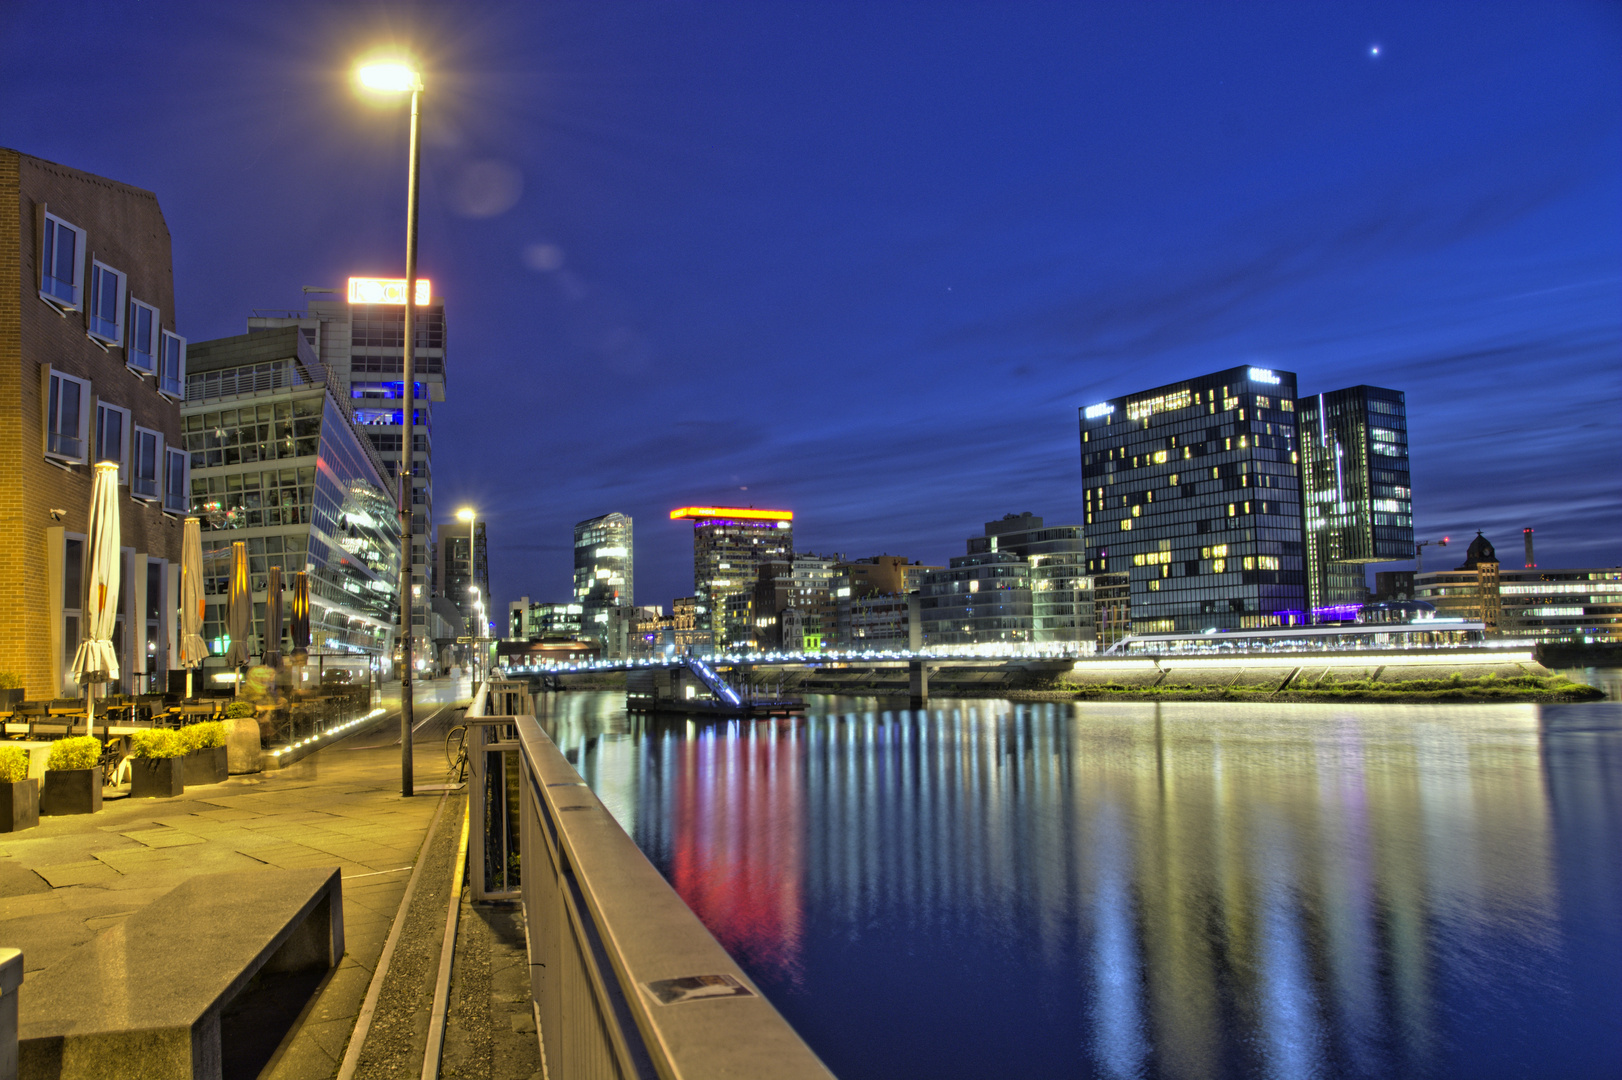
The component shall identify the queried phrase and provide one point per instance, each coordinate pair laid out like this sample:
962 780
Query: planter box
10 698
157 778
19 805
71 791
207 766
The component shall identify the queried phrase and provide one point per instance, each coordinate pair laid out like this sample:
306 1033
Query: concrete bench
143 1000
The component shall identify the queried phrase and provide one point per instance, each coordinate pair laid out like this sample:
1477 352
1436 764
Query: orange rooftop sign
743 513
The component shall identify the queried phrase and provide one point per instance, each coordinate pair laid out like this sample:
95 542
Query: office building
276 463
1112 608
1356 497
1562 605
530 621
1193 490
684 625
94 370
464 571
982 599
603 573
813 598
729 545
359 336
1061 588
1470 591
881 622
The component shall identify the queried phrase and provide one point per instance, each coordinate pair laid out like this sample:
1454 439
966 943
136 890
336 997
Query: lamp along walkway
74 879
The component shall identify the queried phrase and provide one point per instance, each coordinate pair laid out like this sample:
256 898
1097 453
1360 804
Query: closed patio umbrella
300 624
96 661
192 648
273 619
239 612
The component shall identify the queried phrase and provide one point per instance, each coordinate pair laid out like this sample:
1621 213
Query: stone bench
143 1000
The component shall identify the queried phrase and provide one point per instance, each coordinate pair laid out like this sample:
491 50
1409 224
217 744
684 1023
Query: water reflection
1129 891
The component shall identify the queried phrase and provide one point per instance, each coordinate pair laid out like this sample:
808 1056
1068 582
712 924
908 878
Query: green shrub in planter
10 681
239 710
203 736
79 752
157 743
13 764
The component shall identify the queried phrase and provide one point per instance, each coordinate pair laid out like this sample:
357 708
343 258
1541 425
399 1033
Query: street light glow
390 78
464 514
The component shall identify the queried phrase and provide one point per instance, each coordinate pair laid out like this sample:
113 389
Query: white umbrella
239 613
192 648
96 660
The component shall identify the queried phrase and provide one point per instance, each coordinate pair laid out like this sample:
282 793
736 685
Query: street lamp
398 78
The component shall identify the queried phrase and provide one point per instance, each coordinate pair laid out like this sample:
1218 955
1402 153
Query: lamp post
469 515
399 78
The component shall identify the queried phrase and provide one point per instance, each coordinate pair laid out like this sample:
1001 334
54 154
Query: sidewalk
72 878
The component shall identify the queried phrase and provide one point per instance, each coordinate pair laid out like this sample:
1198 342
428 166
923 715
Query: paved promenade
73 878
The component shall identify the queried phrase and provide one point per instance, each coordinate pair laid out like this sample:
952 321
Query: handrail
626 980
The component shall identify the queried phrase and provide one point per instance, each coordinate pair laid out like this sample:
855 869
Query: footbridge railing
627 982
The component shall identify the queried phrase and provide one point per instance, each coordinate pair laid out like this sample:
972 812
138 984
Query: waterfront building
979 599
1061 588
883 622
814 598
276 463
654 631
1193 490
1112 608
95 369
464 570
1583 605
1356 496
604 577
358 334
531 621
729 545
684 625
1470 591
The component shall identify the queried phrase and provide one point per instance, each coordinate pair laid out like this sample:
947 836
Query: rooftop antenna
317 289
1531 563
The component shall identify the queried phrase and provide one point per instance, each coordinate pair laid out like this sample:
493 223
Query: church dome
1480 551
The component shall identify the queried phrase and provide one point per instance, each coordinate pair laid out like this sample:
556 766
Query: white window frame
171 456
124 431
153 339
178 389
99 271
49 224
156 494
48 376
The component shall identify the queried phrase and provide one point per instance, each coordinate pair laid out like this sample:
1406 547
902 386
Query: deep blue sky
865 260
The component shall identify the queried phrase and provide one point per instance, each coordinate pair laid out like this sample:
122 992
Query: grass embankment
1545 689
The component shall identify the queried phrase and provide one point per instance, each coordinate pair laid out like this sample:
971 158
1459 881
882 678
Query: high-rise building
94 369
464 566
1193 489
276 463
1356 497
527 620
729 545
603 572
360 338
1061 588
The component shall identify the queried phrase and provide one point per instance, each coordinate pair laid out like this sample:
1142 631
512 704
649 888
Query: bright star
1374 51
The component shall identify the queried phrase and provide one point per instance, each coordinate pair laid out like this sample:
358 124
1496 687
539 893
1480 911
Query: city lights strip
744 513
328 734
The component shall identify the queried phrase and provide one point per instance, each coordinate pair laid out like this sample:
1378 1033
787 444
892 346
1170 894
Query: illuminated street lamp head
394 78
465 514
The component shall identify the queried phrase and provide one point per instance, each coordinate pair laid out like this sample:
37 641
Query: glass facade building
604 572
277 464
729 545
1356 496
1193 490
1061 589
977 600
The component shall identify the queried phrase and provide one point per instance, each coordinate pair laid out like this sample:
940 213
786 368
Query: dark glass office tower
1356 499
1194 491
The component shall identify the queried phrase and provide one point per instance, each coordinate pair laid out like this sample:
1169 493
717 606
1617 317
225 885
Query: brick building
91 369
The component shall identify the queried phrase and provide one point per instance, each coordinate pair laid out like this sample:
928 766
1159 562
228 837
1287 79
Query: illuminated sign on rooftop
1093 412
1263 375
740 513
371 290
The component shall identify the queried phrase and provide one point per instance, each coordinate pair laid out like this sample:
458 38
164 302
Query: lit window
145 463
67 417
172 366
1137 511
106 304
176 481
61 275
1126 524
1160 457
1230 510
113 437
141 346
1250 562
1218 565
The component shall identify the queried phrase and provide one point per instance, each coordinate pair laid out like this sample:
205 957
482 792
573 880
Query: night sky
865 260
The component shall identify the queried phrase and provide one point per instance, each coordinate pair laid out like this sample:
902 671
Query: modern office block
94 371
1193 490
1580 605
604 576
1356 496
276 462
1061 588
982 599
729 545
464 566
531 621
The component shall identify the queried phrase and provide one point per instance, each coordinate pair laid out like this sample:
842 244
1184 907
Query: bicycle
456 753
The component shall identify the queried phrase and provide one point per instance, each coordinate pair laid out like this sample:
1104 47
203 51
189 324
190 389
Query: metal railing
626 981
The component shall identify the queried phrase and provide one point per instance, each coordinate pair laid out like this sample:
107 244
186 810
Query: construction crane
1419 552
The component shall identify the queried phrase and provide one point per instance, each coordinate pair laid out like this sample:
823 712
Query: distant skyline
865 260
